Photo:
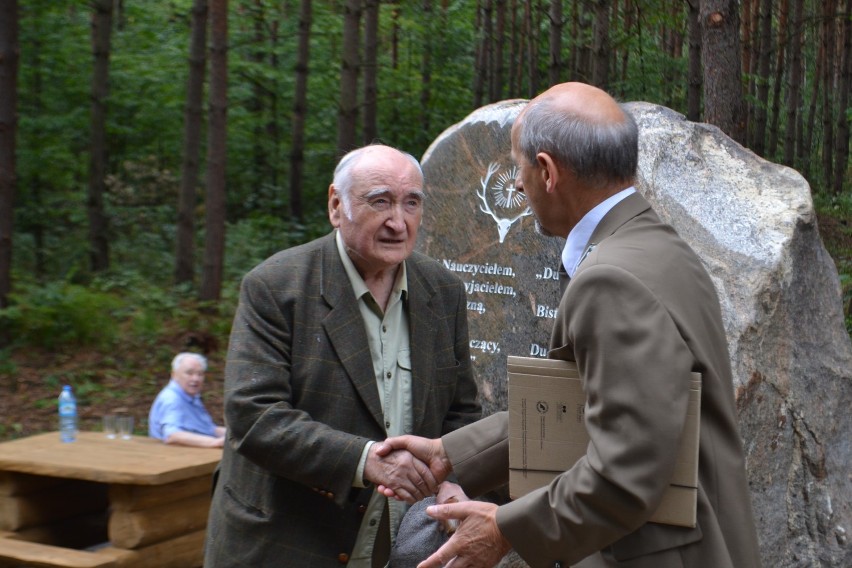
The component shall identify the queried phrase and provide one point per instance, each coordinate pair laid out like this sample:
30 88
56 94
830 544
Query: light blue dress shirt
175 410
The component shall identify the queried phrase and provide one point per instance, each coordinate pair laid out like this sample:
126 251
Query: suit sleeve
261 417
636 368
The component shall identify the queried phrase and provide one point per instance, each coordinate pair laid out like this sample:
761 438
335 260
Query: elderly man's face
379 227
189 375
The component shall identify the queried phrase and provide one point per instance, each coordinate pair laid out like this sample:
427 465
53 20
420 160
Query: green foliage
838 210
61 314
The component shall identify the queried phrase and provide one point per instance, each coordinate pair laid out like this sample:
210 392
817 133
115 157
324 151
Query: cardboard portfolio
547 434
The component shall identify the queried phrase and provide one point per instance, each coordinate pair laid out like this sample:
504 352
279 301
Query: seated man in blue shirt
178 416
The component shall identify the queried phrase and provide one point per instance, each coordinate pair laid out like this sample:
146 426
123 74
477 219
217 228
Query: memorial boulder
753 225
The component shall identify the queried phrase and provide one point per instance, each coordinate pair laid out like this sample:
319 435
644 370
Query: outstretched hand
478 542
429 452
401 473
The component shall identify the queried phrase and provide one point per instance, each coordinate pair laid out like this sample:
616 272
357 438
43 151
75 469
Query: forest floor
128 377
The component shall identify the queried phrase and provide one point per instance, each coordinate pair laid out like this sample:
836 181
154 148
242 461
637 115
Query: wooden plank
135 529
18 552
63 501
138 497
140 460
185 551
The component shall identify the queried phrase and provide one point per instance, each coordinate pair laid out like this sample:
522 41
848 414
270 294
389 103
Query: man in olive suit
638 316
336 345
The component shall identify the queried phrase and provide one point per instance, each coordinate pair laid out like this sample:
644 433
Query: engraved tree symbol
506 196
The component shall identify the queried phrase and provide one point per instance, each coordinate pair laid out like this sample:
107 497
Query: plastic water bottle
67 415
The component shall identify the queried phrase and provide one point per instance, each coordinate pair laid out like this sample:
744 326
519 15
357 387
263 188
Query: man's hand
400 473
478 542
430 452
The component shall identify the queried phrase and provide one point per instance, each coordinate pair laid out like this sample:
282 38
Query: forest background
152 152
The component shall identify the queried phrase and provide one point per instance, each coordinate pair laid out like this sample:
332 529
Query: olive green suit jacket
639 315
301 401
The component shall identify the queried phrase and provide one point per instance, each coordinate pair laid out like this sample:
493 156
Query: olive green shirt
388 337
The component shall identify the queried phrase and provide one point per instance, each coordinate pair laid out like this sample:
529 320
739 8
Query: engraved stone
753 225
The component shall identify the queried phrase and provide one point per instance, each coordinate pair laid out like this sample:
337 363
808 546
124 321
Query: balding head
583 129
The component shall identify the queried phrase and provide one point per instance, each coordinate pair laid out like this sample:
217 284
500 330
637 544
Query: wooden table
101 502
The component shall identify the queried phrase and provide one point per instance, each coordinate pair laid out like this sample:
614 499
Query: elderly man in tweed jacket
337 344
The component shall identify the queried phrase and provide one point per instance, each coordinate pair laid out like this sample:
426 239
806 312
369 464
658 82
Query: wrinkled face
530 182
190 375
384 208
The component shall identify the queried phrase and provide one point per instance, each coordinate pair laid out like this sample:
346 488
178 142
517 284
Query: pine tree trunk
347 116
781 47
480 58
759 133
532 55
804 148
694 70
9 60
98 223
300 108
499 43
829 37
371 68
794 82
556 25
841 150
720 52
214 234
626 24
185 253
488 49
600 44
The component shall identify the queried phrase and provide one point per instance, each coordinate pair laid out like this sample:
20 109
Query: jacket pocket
653 537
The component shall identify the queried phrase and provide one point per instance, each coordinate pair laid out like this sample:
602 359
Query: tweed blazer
301 401
638 316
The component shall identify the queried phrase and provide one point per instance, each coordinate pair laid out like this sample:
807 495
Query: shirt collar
358 285
577 244
173 385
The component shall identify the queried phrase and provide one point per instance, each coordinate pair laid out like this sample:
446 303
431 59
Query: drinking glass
110 425
125 426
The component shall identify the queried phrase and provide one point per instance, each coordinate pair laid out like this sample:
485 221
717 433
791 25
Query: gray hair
597 153
344 180
181 356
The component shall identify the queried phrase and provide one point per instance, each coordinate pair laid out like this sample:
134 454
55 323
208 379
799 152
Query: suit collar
628 208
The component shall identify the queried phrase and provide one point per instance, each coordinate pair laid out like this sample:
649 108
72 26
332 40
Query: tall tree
531 27
426 68
498 43
780 51
600 44
185 251
347 115
556 25
841 154
694 71
720 52
828 38
794 82
9 54
300 108
371 70
214 232
98 224
762 79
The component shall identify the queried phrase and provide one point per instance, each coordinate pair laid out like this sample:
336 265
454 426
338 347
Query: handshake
407 468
